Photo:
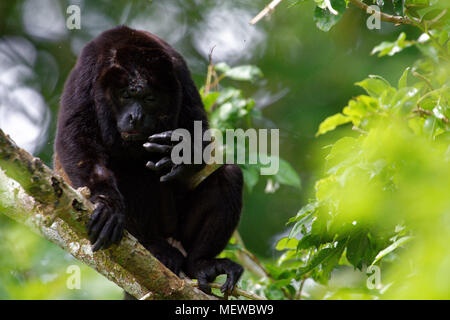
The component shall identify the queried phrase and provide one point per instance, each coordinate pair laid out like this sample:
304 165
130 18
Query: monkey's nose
132 120
135 119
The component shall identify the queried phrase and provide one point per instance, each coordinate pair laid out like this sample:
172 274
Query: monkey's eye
125 94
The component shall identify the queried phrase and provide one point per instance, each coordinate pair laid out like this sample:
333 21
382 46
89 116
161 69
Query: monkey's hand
107 222
161 143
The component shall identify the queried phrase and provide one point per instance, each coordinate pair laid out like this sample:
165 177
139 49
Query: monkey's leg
168 255
211 217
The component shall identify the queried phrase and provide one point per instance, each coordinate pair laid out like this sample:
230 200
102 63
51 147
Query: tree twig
384 16
209 73
236 292
269 8
421 111
424 79
298 296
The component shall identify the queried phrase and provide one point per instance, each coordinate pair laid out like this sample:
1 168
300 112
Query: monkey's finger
97 227
98 244
103 240
109 235
94 220
117 234
233 276
161 137
154 147
174 173
229 284
95 216
151 165
163 163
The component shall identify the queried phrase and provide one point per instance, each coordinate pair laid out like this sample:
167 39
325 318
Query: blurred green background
308 75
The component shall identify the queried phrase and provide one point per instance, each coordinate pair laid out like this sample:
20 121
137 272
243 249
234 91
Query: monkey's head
141 88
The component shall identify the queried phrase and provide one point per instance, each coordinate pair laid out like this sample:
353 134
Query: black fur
89 151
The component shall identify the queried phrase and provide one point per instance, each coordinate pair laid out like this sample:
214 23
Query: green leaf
329 264
443 37
398 7
375 86
244 73
324 255
391 48
357 248
287 175
324 19
286 243
309 241
404 100
415 6
222 67
228 94
332 122
273 293
309 208
300 224
403 82
360 108
342 150
391 248
210 99
251 176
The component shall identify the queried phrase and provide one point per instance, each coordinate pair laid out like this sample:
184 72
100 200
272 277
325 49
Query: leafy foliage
328 13
228 108
391 48
384 197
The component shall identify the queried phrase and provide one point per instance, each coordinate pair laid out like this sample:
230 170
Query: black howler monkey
127 92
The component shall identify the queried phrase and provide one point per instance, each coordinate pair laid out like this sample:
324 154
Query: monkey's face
143 92
141 110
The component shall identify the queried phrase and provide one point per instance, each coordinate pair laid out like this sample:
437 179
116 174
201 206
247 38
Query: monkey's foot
206 271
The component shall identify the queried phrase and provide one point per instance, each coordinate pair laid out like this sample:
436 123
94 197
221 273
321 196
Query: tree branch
32 194
236 292
384 16
268 9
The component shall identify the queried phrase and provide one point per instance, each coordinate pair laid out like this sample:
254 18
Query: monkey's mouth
132 136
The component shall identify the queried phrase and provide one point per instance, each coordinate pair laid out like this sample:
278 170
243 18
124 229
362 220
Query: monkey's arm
81 158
